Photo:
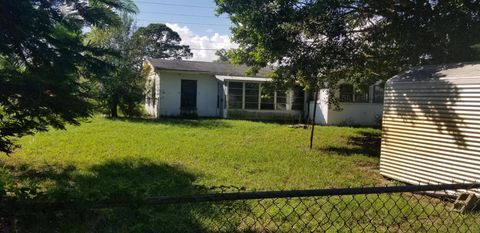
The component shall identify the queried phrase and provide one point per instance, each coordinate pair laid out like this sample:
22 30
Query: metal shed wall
431 125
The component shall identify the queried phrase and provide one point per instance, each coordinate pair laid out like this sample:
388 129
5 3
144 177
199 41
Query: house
431 125
206 89
356 106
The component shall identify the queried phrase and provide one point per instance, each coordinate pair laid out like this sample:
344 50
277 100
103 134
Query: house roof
455 72
210 67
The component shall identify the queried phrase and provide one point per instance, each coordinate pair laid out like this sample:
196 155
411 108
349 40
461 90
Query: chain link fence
425 208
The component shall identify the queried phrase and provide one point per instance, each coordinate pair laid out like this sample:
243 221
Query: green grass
122 159
127 160
243 154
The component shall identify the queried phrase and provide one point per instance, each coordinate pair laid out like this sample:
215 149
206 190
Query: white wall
170 93
356 114
321 114
348 113
368 114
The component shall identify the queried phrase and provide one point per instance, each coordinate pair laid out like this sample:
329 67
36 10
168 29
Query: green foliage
43 62
159 41
124 86
318 42
223 56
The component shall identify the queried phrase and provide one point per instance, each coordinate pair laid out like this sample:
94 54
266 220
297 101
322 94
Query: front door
188 102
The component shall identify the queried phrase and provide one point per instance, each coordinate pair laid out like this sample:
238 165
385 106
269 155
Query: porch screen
235 95
255 96
362 95
268 99
346 93
298 99
281 100
378 93
252 93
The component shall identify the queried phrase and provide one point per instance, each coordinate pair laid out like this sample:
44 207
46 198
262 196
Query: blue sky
198 15
194 20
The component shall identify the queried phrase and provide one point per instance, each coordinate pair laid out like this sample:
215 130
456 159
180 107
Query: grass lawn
208 153
123 160
107 159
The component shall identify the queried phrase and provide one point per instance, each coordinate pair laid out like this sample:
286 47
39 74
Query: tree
159 41
316 43
123 87
43 62
222 56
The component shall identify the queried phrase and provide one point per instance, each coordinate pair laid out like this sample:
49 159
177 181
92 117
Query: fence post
314 115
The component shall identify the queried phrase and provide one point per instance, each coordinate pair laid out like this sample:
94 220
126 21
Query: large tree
43 62
159 41
123 87
317 42
222 55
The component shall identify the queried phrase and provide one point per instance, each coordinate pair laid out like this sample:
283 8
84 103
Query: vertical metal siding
431 130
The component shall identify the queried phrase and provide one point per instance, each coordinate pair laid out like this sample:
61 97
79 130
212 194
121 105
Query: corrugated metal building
431 125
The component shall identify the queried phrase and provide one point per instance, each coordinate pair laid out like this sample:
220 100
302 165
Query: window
350 95
346 93
362 94
281 100
255 96
267 101
235 95
252 91
378 92
298 99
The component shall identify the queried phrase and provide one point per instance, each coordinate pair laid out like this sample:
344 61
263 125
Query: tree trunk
313 120
113 108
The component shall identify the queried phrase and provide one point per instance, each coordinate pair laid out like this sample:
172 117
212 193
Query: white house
205 89
355 107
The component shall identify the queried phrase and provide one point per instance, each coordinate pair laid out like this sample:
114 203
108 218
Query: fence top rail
220 197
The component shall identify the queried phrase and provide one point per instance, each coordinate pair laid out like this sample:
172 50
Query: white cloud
216 41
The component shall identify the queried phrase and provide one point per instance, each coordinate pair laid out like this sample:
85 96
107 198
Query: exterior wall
368 114
211 102
431 131
170 93
321 114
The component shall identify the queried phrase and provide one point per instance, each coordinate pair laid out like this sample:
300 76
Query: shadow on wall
126 181
422 94
208 123
366 143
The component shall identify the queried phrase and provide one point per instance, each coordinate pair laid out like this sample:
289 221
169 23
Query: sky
194 20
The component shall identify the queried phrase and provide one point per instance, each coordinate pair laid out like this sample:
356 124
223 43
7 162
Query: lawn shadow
208 123
127 181
366 142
